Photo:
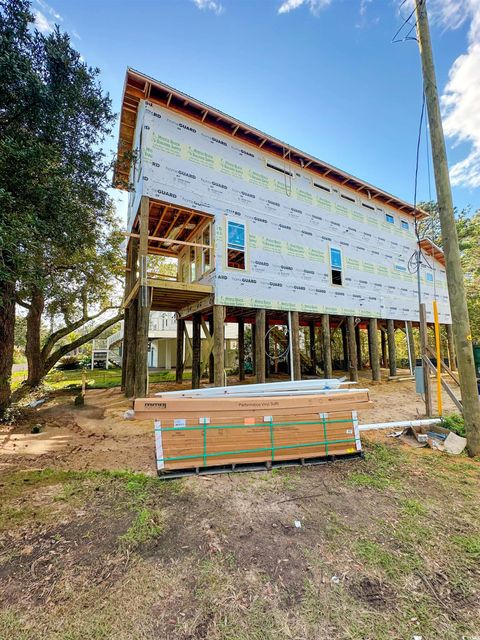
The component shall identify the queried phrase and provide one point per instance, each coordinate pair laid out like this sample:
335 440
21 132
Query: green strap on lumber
204 426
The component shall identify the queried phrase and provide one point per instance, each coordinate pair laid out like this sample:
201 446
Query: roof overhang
429 247
141 87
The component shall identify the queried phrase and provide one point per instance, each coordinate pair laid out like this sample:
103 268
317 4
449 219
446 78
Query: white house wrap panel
284 238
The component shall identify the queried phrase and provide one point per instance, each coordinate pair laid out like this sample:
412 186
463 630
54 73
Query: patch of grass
380 468
469 544
11 626
365 480
414 508
148 525
13 516
393 564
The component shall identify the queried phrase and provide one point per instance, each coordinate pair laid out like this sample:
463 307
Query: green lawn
96 379
388 548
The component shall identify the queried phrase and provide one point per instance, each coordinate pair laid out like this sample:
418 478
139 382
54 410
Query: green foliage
455 423
59 235
468 229
68 363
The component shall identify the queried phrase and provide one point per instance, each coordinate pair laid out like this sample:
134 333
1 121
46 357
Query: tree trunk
7 326
36 369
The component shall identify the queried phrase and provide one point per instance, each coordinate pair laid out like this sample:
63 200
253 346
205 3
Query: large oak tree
55 213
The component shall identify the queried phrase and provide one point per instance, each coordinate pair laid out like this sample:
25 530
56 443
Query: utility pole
456 288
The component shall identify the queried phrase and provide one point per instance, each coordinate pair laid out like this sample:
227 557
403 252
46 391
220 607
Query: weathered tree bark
49 358
7 327
33 353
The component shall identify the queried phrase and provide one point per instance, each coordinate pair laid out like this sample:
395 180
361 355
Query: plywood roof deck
141 87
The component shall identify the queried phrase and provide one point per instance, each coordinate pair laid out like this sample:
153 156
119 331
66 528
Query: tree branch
60 352
22 303
68 328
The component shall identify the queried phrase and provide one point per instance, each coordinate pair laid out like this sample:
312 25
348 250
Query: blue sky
322 75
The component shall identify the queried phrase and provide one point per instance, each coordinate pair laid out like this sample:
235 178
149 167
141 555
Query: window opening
235 245
336 266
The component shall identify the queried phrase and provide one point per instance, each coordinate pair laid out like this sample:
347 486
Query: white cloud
53 13
210 5
461 97
315 6
42 23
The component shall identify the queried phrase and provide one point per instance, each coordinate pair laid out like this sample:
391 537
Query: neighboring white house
162 344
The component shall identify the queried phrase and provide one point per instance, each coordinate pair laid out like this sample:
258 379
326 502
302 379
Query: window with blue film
336 266
236 245
390 219
405 225
429 277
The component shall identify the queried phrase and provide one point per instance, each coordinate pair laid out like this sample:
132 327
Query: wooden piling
144 301
180 352
383 346
344 346
313 348
411 342
352 349
297 369
392 350
358 340
219 345
260 319
241 349
211 357
130 326
327 349
374 351
196 351
451 348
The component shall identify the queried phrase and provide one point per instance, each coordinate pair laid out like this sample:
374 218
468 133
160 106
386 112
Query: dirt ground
381 548
97 437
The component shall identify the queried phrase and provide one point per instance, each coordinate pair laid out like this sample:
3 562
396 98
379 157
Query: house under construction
261 234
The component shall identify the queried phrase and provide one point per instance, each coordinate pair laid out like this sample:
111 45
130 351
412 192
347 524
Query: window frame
236 247
389 218
340 270
207 227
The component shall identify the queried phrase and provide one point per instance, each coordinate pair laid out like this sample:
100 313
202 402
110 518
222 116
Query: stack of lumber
267 423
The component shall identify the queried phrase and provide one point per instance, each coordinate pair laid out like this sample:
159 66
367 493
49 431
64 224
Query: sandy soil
96 436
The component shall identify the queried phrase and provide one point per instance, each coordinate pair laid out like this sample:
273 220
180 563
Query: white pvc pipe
402 423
